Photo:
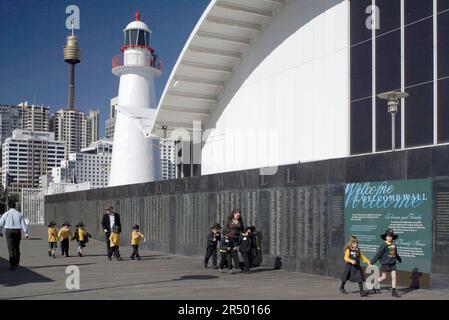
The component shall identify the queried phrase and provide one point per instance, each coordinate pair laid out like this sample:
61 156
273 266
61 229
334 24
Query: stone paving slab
160 276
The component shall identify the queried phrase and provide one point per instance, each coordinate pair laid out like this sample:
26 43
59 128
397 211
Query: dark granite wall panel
299 210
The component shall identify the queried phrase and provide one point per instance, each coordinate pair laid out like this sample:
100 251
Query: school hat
136 227
51 224
80 224
389 232
67 224
216 225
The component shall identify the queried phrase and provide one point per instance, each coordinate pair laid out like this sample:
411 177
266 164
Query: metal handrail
141 60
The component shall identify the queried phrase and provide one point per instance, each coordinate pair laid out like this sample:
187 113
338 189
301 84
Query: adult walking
13 221
235 227
110 219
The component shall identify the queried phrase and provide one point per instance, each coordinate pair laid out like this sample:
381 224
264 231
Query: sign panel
403 205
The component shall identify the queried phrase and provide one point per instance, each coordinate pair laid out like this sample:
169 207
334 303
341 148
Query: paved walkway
158 276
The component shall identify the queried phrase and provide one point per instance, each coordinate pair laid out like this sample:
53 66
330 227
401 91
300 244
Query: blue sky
33 34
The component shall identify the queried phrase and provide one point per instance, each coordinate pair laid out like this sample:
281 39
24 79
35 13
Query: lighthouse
135 154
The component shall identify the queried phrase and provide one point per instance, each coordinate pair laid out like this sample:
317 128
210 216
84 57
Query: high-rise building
93 127
70 125
91 165
33 117
27 155
9 120
22 116
168 166
110 123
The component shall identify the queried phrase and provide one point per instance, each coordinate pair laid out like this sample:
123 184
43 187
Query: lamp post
393 103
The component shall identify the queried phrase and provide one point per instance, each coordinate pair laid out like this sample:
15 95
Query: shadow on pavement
19 277
261 269
182 278
59 265
196 277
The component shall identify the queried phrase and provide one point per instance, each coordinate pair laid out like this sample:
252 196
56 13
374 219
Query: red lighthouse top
137 15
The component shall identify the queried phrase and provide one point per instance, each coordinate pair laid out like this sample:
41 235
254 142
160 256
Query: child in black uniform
353 270
212 241
388 255
228 252
244 245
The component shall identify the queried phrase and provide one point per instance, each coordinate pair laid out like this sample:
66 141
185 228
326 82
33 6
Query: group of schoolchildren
81 235
387 254
65 235
248 244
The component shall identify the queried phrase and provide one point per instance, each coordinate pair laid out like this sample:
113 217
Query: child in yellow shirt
65 234
136 236
82 237
353 270
114 240
52 239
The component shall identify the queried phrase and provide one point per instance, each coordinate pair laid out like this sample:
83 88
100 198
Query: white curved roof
224 32
137 25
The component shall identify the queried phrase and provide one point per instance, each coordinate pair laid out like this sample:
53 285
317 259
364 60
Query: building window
419 106
361 126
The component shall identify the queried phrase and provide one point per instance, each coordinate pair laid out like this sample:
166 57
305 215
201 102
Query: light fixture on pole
393 103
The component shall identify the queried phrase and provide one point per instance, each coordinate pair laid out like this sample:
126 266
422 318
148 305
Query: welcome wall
403 205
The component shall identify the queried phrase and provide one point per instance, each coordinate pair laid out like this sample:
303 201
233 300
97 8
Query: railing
137 59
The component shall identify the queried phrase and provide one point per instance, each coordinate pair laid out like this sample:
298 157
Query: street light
393 103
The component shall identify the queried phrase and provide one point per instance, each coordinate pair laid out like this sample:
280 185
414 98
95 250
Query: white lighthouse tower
135 154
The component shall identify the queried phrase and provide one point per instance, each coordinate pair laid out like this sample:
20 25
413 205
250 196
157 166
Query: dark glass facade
413 72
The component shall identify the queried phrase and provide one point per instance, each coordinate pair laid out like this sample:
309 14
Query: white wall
292 87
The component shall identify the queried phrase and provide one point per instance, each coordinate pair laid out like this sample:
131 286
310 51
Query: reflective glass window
419 116
419 52
359 17
361 126
361 71
417 9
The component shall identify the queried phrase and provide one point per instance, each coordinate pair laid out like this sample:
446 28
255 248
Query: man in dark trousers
110 219
13 221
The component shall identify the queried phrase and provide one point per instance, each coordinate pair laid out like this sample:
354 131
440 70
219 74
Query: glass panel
443 44
388 62
147 38
390 15
127 38
141 40
419 53
419 116
383 126
443 5
361 71
361 126
417 10
443 111
359 32
133 37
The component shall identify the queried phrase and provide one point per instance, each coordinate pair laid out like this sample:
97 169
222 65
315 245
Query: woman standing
235 227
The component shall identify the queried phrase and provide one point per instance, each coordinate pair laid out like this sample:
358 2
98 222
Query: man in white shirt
13 222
